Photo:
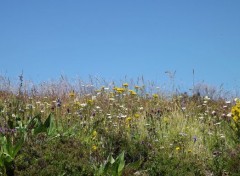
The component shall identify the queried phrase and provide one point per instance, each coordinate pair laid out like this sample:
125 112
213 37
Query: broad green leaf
121 162
50 125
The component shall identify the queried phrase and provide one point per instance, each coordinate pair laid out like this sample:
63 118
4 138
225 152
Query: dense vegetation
116 130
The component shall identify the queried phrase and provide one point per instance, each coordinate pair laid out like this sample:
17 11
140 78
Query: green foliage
9 151
113 167
61 133
48 126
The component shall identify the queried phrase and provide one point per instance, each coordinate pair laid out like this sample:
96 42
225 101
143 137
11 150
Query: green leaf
121 162
48 121
18 146
7 158
111 159
50 125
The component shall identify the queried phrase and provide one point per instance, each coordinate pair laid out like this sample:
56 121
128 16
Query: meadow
127 128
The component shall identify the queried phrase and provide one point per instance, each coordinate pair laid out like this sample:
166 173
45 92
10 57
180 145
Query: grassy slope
160 136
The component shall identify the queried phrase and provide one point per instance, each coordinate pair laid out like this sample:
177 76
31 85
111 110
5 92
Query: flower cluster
236 112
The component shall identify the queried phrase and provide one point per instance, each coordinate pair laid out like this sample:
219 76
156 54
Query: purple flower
194 139
59 103
5 131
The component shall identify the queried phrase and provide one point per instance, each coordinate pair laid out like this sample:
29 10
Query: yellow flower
137 87
128 119
189 151
136 115
155 96
132 92
236 112
177 148
120 90
90 102
94 133
77 103
165 119
94 147
235 118
72 94
125 85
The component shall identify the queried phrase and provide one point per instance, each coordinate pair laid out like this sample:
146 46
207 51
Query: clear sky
111 39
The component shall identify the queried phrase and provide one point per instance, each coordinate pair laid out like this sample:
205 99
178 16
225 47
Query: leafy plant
48 126
113 167
8 153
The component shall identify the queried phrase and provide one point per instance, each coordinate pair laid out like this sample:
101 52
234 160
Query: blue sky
111 39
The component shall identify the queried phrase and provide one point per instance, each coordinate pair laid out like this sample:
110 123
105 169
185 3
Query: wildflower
224 115
90 102
189 151
94 147
123 116
59 103
83 105
218 123
214 113
235 118
120 90
128 119
94 133
111 99
201 118
177 148
77 103
206 98
125 85
136 87
136 115
222 136
132 92
194 139
71 94
155 96
236 112
165 119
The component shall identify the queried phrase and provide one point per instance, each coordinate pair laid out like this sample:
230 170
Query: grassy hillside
56 129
